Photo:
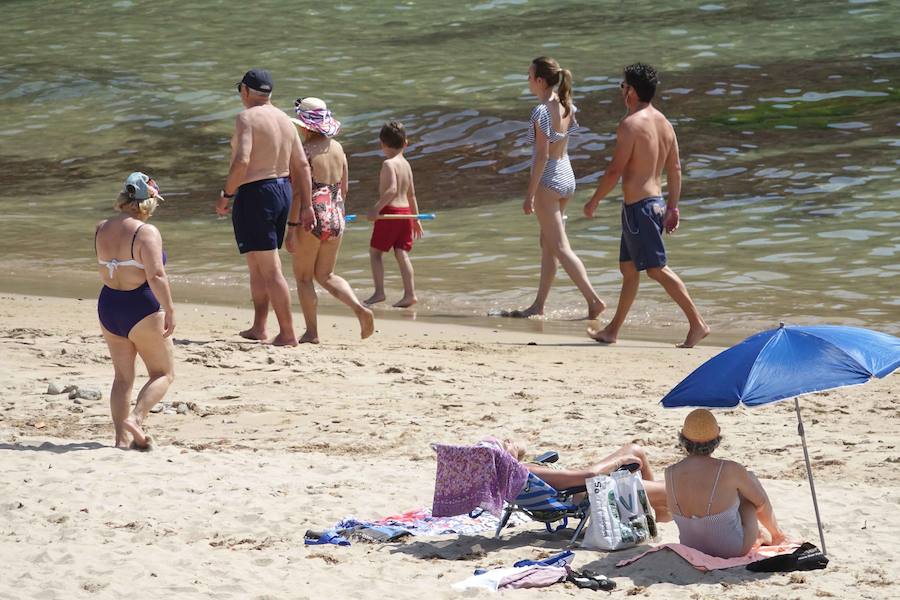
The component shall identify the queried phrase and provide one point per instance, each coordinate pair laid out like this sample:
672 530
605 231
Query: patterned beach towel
417 522
470 477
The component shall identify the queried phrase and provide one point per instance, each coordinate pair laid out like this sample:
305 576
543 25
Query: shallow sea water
786 114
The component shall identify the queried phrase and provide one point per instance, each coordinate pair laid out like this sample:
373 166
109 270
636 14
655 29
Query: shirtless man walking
266 156
645 145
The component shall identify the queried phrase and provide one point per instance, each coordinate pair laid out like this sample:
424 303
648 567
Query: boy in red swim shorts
396 196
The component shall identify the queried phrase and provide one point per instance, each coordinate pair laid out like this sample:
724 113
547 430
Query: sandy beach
275 441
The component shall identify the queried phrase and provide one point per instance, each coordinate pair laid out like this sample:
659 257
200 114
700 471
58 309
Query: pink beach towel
705 562
469 477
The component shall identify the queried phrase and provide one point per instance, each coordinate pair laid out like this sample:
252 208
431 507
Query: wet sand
276 441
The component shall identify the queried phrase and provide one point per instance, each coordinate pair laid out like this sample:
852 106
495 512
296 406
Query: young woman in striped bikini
552 182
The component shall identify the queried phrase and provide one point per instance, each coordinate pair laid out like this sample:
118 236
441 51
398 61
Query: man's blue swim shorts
642 228
260 214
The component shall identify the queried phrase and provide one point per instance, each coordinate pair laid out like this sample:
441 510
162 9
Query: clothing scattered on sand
470 477
531 575
705 562
316 538
413 522
534 577
492 580
422 522
371 532
535 574
557 560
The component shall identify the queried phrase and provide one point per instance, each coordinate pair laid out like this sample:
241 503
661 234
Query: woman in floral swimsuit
317 250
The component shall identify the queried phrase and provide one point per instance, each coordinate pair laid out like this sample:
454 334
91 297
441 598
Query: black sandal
588 580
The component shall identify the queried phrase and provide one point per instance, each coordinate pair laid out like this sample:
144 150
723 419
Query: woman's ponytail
565 91
549 70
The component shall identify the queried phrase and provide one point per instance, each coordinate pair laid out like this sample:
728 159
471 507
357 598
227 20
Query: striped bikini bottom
559 177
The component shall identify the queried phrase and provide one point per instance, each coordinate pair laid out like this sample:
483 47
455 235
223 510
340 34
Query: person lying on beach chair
492 477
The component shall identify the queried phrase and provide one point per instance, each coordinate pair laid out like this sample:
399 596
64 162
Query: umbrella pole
812 486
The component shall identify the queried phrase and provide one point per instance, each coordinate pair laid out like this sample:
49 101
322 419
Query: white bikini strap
111 266
715 484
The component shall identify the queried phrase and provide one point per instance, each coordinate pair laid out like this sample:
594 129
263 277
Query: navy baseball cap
259 80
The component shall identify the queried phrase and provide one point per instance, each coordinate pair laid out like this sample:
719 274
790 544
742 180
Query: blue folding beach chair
541 502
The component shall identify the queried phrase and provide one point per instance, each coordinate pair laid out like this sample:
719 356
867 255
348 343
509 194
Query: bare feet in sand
308 338
604 336
374 299
140 440
695 334
595 308
122 442
366 322
405 302
283 339
254 334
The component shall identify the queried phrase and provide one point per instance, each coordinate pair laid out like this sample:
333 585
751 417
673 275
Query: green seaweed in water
809 115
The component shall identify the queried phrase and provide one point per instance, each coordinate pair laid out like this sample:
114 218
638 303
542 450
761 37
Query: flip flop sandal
587 580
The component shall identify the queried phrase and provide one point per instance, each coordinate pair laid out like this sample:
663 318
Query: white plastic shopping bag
620 515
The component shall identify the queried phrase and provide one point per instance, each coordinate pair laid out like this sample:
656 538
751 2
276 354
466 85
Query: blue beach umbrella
785 363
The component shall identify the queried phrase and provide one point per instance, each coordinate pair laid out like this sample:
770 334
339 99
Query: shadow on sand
665 566
475 547
659 567
55 448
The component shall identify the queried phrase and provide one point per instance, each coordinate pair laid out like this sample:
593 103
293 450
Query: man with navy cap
266 157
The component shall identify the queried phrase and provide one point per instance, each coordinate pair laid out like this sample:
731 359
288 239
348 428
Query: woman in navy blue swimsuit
135 306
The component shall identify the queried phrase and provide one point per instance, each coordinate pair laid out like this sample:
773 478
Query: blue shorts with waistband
642 228
260 214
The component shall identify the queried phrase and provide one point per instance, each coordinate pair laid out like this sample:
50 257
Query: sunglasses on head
239 84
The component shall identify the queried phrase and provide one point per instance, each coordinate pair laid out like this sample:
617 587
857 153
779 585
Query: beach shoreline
83 287
275 441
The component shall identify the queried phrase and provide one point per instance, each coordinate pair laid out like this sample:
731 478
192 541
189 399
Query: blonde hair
549 70
142 209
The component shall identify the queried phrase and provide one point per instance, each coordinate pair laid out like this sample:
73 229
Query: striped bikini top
540 116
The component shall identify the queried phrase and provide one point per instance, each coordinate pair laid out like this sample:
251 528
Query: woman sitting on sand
135 306
552 182
628 454
315 252
717 504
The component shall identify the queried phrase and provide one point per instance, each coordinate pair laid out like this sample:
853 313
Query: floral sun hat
313 114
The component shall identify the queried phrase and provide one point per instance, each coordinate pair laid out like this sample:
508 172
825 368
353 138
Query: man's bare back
653 144
268 138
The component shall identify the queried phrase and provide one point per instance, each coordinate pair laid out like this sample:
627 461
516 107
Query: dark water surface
787 115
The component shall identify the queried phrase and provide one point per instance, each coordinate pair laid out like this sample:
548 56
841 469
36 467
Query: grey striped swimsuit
558 175
721 534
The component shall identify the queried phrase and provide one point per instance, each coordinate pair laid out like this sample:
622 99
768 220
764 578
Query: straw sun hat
700 426
313 114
